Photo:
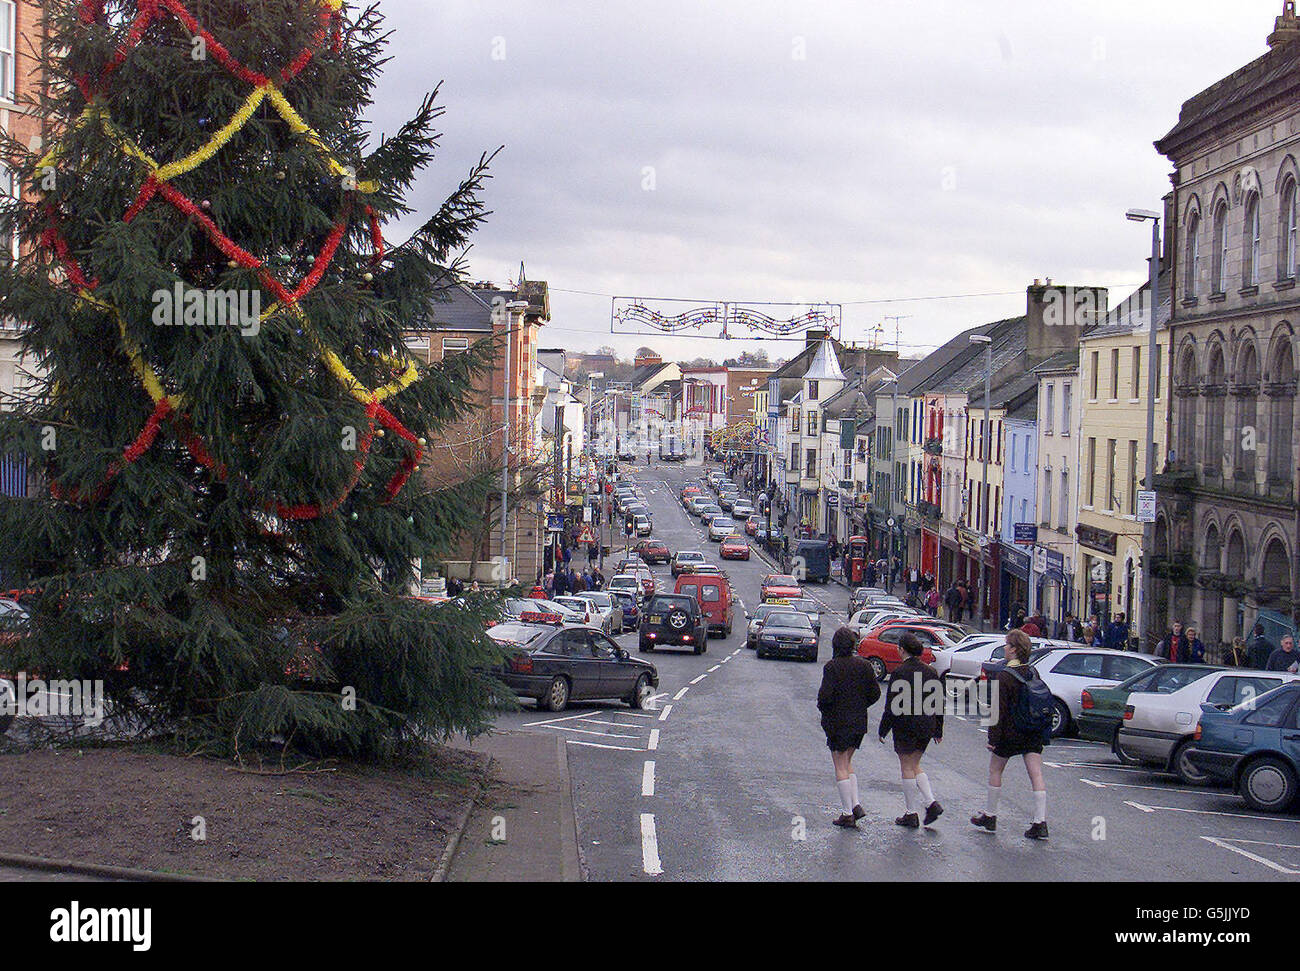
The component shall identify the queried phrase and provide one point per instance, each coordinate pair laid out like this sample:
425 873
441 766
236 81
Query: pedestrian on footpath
1116 635
952 600
1261 649
932 601
1239 657
1018 731
1195 647
910 695
1285 657
849 688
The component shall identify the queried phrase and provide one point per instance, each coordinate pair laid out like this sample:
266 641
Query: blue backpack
1034 706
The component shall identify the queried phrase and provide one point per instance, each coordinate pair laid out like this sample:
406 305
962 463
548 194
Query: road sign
1146 507
588 535
1026 534
555 522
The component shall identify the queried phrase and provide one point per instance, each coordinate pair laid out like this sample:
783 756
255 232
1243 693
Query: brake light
687 638
650 635
521 664
1128 713
1086 702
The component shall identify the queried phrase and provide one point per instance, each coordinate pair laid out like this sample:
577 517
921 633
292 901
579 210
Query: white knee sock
854 779
927 793
991 805
845 786
911 795
1040 806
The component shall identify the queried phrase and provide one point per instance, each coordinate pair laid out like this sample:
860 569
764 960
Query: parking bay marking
1271 864
566 718
1198 812
616 748
1128 785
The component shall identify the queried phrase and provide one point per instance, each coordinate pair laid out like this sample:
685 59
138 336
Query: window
1047 497
1114 374
1132 477
1065 501
454 345
1080 665
8 190
1096 365
1013 454
1121 668
1067 409
812 391
1270 712
1137 373
810 463
1049 409
1233 691
1192 283
1289 229
1111 504
8 46
1159 365
812 423
1092 472
1024 510
1252 241
1220 273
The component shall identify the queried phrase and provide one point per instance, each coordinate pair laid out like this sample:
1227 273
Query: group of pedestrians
566 580
913 715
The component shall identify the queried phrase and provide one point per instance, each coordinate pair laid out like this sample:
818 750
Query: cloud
824 150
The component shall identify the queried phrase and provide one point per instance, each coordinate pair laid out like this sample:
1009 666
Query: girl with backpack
908 696
848 689
1022 728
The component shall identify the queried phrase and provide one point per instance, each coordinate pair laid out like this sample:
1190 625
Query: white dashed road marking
654 739
663 715
650 846
681 694
699 679
648 779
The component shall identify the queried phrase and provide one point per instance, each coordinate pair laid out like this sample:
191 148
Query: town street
729 778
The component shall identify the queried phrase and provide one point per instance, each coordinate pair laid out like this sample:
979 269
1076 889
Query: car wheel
640 693
557 695
1120 754
1060 719
877 668
758 653
1180 764
1268 784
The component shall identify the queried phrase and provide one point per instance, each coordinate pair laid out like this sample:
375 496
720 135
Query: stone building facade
1226 533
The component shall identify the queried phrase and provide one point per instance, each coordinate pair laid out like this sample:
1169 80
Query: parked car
626 582
1158 728
971 653
720 527
884 654
873 617
1255 747
587 611
686 558
514 608
556 665
734 548
652 551
779 586
861 596
741 510
787 633
1101 708
631 608
673 620
714 596
609 612
1067 671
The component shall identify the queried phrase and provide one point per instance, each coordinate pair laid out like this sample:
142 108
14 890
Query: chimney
1056 315
1286 29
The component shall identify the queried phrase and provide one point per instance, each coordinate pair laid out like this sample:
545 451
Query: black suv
673 620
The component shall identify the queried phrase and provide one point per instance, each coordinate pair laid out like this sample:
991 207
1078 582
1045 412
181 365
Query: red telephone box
859 551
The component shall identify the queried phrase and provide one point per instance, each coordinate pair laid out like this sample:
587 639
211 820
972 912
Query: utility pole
983 511
1147 601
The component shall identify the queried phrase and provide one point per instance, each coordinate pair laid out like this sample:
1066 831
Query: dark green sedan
1102 709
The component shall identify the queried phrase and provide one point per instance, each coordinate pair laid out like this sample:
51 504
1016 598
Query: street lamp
591 403
983 511
1148 545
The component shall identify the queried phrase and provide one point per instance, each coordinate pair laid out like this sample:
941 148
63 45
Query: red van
714 596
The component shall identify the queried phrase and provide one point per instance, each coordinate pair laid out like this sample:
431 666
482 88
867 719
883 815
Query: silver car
610 617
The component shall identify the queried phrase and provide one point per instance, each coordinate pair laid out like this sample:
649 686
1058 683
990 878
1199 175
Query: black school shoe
1038 831
908 820
985 821
858 812
932 812
846 820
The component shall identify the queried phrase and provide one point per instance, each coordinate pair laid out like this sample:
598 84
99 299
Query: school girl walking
912 691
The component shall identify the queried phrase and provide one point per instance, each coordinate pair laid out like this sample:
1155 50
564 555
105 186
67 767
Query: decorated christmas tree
225 430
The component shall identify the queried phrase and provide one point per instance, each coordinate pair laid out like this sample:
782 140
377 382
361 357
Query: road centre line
681 694
663 715
648 778
650 846
699 679
714 668
654 740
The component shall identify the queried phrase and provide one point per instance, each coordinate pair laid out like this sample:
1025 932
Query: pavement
727 777
521 830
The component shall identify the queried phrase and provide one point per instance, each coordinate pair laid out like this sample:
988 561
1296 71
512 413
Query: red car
735 548
689 492
779 587
881 650
653 551
751 525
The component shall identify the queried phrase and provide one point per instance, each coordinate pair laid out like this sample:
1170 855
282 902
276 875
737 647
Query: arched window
1275 570
1210 559
1234 564
1282 379
1215 381
1220 274
1288 247
1251 276
1185 390
1192 284
1247 392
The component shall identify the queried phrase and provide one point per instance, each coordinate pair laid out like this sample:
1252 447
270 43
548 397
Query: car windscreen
690 557
788 619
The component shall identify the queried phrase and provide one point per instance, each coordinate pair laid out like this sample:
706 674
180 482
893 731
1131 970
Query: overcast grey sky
834 150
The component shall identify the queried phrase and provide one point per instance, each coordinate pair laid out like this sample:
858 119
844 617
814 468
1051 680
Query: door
614 677
1291 735
579 663
711 602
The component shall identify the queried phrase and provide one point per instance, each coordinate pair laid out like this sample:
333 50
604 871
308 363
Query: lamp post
1145 601
591 404
982 514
